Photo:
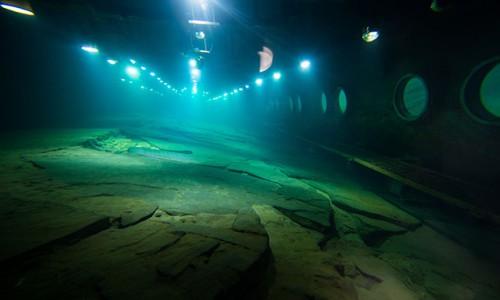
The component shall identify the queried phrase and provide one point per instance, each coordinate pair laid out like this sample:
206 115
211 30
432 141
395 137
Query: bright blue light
90 49
153 74
195 74
235 91
132 61
143 68
132 72
112 61
305 65
247 86
193 63
225 94
240 89
277 76
259 81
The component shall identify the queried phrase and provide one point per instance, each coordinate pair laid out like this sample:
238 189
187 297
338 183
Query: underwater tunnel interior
250 149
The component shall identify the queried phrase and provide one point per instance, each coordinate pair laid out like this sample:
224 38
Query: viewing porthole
481 93
342 101
411 98
324 103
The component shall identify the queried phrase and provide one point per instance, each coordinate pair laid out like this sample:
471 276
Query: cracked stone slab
248 221
303 271
127 211
248 241
357 200
28 225
148 261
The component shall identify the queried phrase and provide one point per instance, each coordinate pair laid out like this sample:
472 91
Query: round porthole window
342 101
324 103
299 104
481 92
411 98
490 91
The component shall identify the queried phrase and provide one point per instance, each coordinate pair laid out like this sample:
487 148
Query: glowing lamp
132 72
276 76
90 49
370 36
193 63
305 65
20 7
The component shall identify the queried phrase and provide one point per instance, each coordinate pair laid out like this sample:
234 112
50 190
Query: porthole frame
471 88
398 98
336 104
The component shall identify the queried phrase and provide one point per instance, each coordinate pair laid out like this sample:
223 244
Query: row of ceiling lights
304 66
134 72
24 7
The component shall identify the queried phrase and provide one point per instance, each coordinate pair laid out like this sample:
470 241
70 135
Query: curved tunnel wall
441 134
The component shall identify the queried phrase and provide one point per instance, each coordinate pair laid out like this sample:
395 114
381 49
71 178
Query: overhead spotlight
235 91
122 79
132 72
247 86
152 74
305 65
240 89
90 49
370 36
20 7
277 76
193 63
143 68
133 61
199 35
225 94
112 61
259 81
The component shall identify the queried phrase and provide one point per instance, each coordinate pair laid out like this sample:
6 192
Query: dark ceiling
156 31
